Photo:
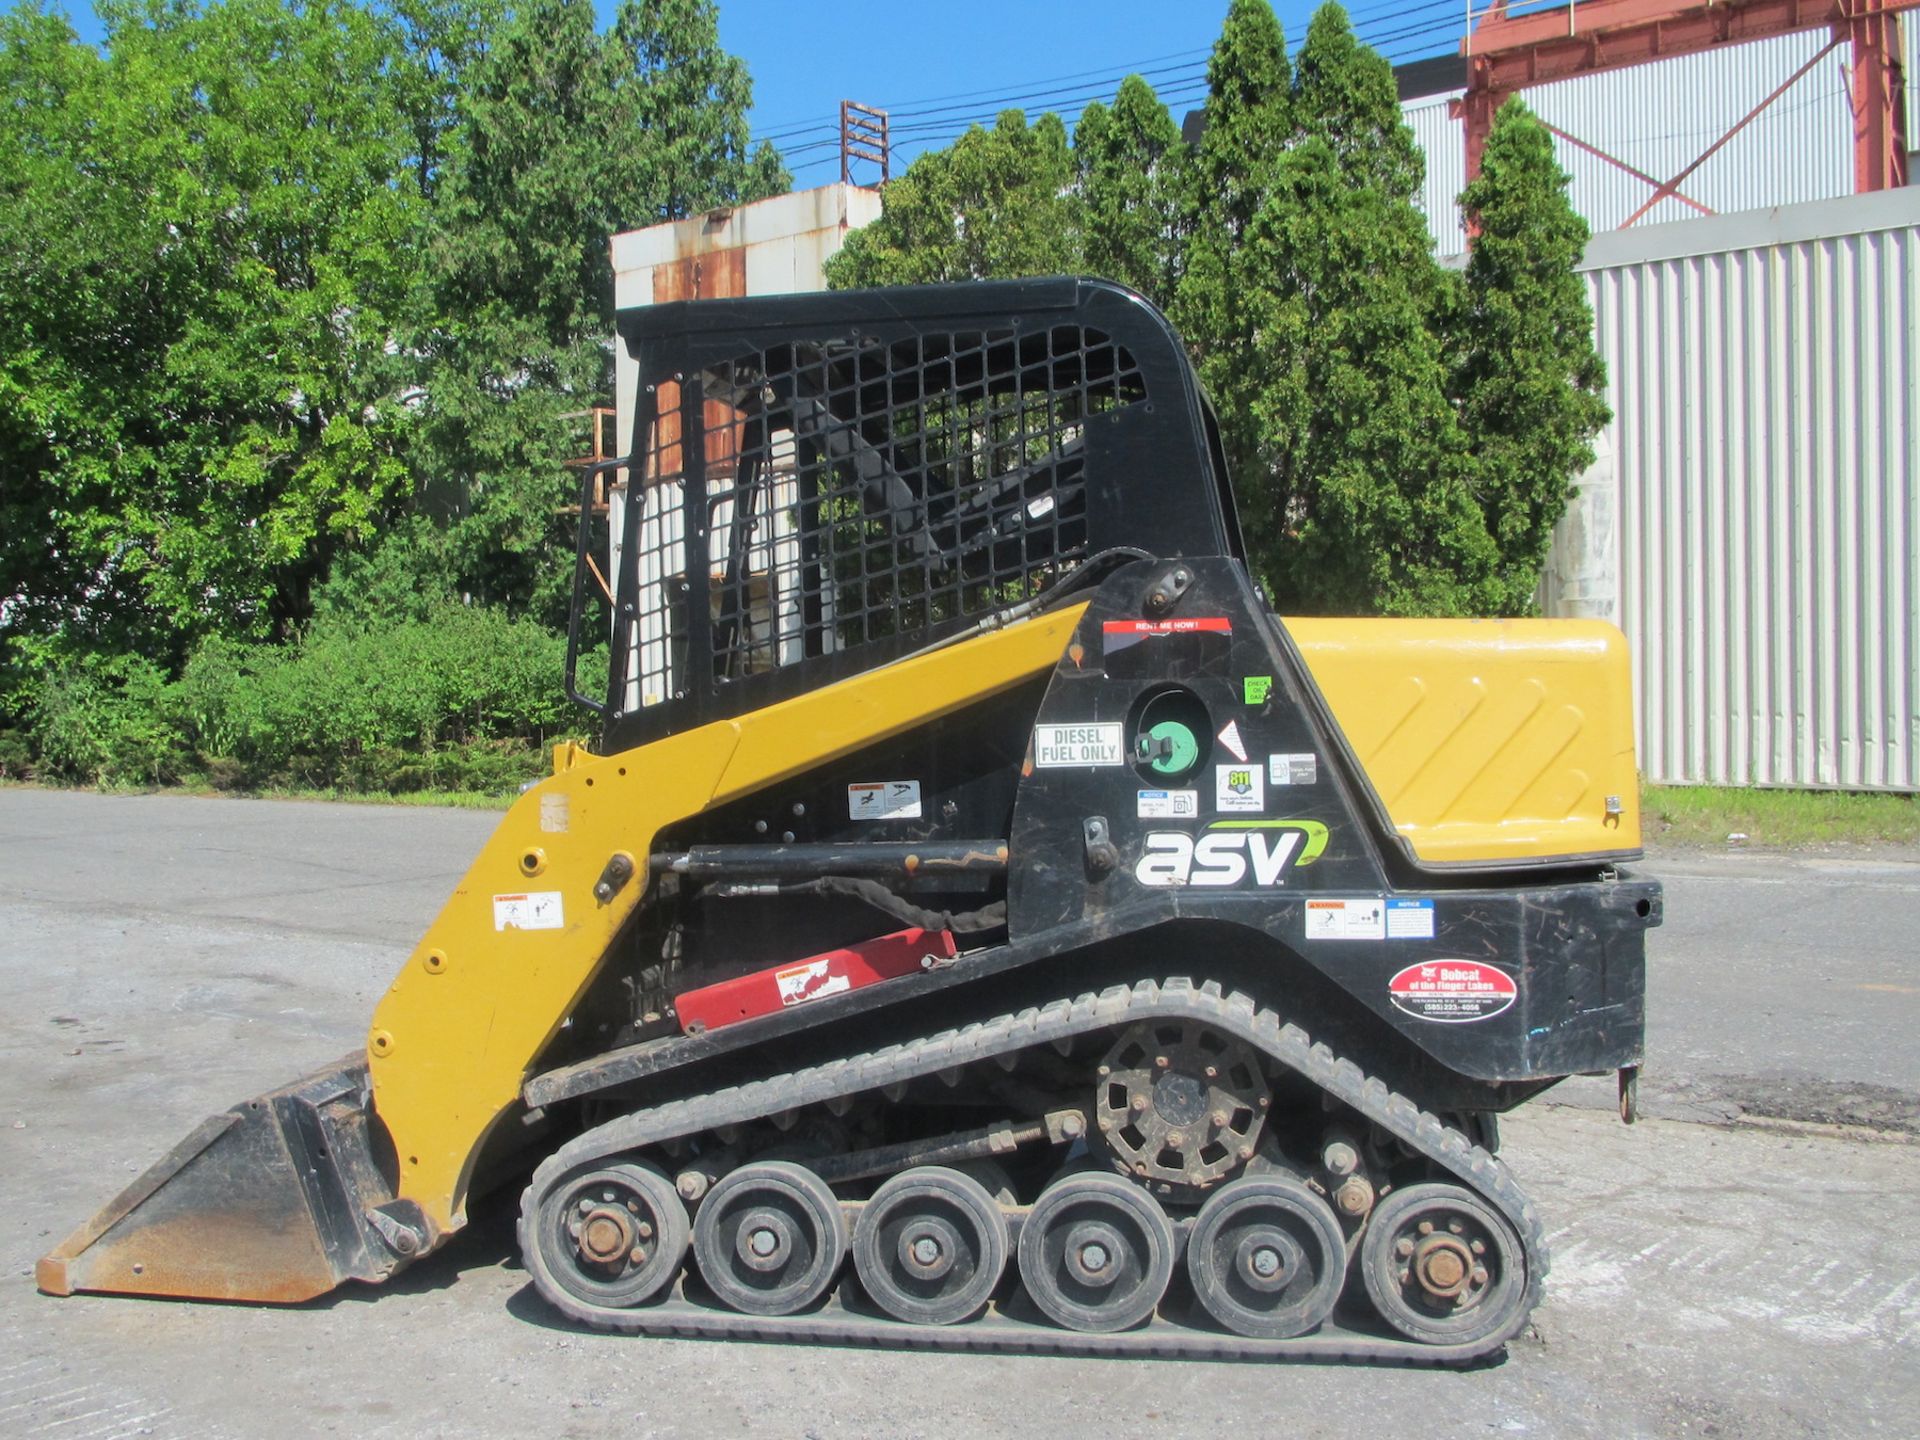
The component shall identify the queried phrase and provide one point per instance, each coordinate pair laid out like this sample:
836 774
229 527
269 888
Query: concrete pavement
163 957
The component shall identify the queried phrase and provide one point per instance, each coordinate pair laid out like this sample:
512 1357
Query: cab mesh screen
859 490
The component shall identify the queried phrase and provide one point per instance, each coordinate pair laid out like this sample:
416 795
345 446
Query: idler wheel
1443 1267
1096 1253
930 1246
769 1238
611 1235
1267 1258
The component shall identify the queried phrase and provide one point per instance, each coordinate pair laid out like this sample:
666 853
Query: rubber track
1234 1013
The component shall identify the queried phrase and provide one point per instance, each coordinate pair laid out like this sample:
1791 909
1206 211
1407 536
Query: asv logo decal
1230 852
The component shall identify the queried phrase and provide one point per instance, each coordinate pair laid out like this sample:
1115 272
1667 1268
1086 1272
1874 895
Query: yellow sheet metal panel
1486 740
522 937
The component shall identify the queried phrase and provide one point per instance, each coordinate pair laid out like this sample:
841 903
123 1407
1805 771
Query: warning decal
884 800
540 910
1346 919
809 980
1452 991
1229 737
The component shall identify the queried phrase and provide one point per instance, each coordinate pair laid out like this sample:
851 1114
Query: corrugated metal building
1754 523
1659 118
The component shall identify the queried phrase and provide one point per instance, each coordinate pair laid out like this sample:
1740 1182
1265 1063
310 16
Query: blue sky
939 66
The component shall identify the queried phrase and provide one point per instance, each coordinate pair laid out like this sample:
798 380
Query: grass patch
435 799
1708 814
440 799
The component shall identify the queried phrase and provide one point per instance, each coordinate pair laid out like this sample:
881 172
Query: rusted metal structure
1507 49
863 137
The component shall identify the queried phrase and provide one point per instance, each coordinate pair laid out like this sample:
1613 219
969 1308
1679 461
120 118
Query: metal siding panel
1659 118
1768 469
1443 142
1910 48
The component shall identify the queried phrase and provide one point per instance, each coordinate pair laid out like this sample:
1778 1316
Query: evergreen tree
996 204
1222 304
1370 513
1370 509
1344 93
1526 377
1130 163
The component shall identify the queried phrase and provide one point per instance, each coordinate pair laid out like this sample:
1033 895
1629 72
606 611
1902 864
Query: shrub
109 721
460 699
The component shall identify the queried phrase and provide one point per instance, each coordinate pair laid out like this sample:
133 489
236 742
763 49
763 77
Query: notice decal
1256 688
1452 992
1230 853
1292 769
1364 919
1060 746
1409 919
809 980
1168 804
884 800
1239 788
538 910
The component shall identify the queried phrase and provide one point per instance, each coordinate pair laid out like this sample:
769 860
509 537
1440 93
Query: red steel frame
1506 53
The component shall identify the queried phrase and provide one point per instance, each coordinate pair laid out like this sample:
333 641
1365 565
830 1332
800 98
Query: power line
1106 85
1046 80
931 122
939 136
1074 102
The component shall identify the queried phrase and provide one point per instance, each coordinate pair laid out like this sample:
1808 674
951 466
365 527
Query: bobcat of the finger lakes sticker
1452 992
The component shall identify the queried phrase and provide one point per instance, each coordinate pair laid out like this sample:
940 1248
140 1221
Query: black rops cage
881 470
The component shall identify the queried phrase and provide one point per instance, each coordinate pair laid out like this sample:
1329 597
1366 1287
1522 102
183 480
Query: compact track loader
982 924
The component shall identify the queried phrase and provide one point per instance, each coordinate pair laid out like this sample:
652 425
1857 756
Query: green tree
995 204
205 236
1370 506
1130 164
565 136
1224 293
1526 377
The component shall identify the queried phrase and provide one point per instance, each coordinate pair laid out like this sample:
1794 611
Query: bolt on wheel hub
928 1247
1092 1250
606 1235
764 1241
1267 1258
